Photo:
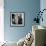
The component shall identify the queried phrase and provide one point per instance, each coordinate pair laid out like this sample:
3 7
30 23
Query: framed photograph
17 19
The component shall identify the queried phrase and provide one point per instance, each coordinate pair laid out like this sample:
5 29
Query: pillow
21 42
28 39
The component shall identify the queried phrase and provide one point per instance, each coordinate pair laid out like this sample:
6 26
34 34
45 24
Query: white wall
43 6
1 21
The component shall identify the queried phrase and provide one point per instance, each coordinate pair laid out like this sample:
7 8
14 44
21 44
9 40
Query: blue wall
27 6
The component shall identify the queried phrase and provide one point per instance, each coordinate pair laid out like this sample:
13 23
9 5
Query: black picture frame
17 19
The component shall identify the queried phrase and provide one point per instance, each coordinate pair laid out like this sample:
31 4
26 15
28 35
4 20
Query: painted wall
30 7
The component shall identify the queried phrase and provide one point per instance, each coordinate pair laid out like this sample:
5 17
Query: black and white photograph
17 18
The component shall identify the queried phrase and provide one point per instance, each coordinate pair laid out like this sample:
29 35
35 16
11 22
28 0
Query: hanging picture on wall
17 19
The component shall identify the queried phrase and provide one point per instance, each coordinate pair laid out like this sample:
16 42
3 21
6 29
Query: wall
30 7
1 21
43 6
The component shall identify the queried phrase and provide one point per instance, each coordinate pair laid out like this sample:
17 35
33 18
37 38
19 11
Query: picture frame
17 19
